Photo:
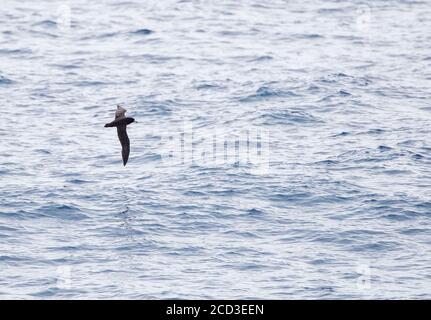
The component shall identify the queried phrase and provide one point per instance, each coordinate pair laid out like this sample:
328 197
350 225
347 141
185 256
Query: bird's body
121 122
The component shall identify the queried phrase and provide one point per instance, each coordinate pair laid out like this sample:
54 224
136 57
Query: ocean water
282 149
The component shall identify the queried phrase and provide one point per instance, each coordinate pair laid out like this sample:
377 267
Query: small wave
254 212
415 231
46 24
7 228
154 108
342 134
266 92
63 212
4 80
380 154
417 156
77 181
292 197
334 77
375 131
286 116
142 32
206 86
150 58
262 58
66 66
42 151
344 93
13 259
313 88
230 33
398 216
384 148
194 193
326 162
90 83
362 81
38 33
308 36
426 206
151 157
209 85
376 246
345 80
351 38
102 36
15 51
330 10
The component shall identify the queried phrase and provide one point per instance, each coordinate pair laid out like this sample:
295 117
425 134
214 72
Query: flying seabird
121 122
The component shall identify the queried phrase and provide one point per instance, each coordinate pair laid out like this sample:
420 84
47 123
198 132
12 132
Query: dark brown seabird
121 122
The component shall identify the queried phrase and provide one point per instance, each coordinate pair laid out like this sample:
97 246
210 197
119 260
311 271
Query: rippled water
342 210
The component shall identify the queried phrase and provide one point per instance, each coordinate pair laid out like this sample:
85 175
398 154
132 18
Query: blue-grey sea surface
331 98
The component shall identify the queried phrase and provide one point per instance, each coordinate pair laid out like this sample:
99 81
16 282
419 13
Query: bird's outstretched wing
125 143
120 113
